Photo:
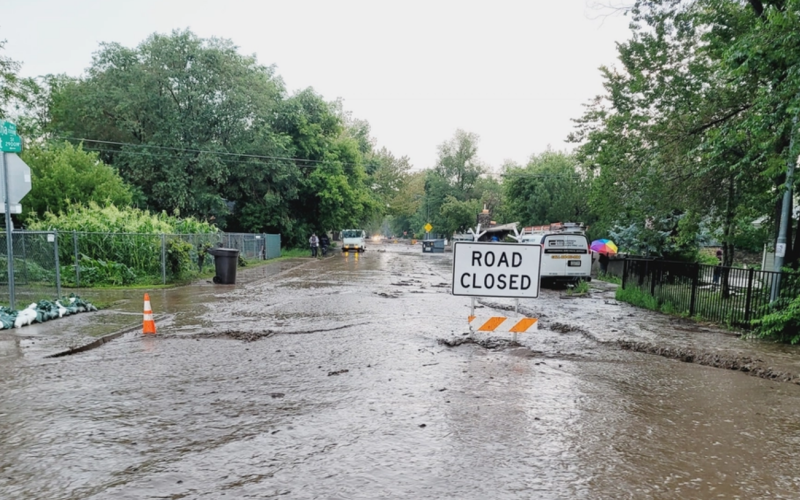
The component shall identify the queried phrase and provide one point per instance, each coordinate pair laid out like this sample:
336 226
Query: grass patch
293 253
580 288
609 278
638 298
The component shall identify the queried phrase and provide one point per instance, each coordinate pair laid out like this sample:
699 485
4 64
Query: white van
565 254
353 240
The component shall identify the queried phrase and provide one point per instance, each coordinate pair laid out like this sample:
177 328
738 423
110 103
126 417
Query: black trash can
225 262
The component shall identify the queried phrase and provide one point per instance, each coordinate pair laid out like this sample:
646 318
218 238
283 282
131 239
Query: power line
157 155
189 150
534 175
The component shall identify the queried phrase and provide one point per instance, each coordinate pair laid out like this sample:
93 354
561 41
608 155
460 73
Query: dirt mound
235 335
745 364
490 343
562 328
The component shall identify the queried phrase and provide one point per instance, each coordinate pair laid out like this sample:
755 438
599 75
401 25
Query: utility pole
780 244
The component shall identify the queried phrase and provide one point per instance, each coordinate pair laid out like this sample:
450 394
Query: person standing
314 242
603 259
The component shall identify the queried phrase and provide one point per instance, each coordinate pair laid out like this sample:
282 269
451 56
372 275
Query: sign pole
9 242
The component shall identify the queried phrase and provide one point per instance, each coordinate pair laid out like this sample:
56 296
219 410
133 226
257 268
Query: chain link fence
46 261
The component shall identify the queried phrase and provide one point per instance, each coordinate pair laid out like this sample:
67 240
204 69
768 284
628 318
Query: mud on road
357 377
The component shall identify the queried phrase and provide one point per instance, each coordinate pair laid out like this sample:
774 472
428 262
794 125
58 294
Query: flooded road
326 379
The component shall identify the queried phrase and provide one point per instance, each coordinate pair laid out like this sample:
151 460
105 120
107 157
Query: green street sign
7 128
10 143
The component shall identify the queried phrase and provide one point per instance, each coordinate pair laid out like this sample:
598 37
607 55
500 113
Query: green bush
99 272
27 271
179 258
95 219
781 323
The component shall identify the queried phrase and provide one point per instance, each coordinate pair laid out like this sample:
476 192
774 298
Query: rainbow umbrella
603 246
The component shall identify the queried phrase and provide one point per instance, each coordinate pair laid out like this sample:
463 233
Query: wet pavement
327 379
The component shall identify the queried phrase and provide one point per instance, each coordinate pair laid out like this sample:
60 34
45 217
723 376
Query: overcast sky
514 72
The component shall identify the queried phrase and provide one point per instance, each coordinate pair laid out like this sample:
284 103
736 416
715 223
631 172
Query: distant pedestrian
324 243
718 267
314 242
603 259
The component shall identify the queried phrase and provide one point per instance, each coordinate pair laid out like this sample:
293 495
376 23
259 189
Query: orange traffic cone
149 323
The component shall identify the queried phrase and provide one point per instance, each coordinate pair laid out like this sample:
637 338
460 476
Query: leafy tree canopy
197 127
63 175
552 187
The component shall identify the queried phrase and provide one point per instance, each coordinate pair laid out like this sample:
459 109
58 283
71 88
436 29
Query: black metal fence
721 294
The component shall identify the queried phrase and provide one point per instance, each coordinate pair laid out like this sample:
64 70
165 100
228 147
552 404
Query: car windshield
351 233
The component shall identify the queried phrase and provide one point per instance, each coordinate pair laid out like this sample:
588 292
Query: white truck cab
565 252
354 240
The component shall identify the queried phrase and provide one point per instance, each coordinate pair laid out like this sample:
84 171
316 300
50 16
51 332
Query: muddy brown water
327 379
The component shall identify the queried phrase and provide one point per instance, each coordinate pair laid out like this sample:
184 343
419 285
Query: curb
96 343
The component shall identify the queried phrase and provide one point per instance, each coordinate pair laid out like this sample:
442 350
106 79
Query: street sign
428 227
7 128
10 143
496 269
15 208
19 180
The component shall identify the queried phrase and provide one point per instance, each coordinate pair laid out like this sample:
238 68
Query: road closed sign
496 269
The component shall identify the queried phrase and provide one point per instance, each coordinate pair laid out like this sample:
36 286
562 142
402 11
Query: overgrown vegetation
637 298
781 323
120 246
98 272
93 218
179 259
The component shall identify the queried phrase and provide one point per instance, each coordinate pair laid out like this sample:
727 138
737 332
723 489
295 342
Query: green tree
458 216
458 165
675 134
11 85
193 114
406 206
552 187
456 175
64 175
198 127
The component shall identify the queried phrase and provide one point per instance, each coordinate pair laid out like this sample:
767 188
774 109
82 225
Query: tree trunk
727 243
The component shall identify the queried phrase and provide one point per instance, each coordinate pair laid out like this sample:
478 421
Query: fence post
58 266
695 283
77 261
24 259
163 259
749 300
624 271
653 274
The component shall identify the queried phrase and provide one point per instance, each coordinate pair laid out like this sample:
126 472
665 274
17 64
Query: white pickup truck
354 240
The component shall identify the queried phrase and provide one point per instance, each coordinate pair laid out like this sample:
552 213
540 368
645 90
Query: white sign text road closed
496 269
